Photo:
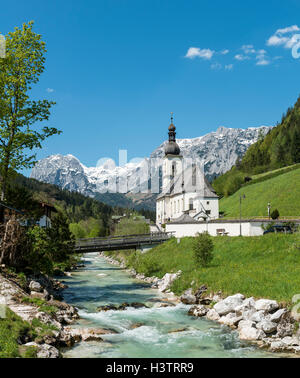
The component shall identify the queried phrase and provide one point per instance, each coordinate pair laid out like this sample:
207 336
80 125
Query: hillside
282 191
279 148
264 267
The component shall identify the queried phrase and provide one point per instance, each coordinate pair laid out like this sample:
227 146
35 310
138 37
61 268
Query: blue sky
117 68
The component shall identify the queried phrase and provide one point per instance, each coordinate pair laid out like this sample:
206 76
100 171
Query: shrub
203 249
275 214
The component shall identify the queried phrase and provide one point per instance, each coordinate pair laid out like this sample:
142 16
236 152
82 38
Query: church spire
172 130
172 147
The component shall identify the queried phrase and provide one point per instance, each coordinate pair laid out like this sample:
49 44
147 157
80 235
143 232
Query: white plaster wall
233 229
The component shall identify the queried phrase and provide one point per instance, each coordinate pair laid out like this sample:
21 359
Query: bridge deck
112 243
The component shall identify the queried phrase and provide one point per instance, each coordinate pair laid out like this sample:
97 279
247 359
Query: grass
263 267
41 304
282 192
12 330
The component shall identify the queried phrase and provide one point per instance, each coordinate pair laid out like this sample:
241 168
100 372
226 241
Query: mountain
219 151
279 148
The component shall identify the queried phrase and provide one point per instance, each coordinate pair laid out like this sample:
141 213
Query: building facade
185 190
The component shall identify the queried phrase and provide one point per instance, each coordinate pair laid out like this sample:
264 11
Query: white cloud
50 90
289 29
224 52
263 62
229 67
284 37
241 57
248 49
195 52
262 59
216 66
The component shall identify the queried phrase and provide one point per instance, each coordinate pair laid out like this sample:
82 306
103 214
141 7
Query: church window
194 170
191 204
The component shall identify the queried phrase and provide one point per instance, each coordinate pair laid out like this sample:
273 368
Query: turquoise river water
163 332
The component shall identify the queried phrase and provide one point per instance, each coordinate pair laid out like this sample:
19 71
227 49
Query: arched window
191 204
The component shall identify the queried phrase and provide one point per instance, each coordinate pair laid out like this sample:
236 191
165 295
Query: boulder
230 319
35 286
200 292
247 305
213 315
285 326
165 283
267 326
229 304
247 331
259 316
266 305
188 297
277 346
277 315
198 310
47 351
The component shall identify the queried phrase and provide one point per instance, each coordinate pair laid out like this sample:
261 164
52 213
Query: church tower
172 165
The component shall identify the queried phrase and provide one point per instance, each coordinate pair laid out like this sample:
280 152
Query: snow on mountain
219 150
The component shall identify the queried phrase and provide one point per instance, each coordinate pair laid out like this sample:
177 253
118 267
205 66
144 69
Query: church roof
184 218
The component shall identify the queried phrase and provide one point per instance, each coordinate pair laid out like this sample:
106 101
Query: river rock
35 286
267 326
199 293
47 351
230 319
88 334
247 306
266 305
285 326
47 319
166 282
213 315
277 315
259 316
229 304
188 297
198 311
138 305
247 331
107 308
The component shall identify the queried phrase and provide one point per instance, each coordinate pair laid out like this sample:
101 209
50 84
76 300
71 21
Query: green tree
203 247
62 240
19 71
275 214
39 255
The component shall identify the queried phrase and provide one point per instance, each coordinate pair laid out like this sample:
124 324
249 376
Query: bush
275 214
203 249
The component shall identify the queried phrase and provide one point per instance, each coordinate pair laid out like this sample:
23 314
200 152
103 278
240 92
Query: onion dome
172 147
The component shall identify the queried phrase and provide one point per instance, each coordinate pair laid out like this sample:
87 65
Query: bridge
113 243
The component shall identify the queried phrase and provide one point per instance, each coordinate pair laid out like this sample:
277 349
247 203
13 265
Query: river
163 332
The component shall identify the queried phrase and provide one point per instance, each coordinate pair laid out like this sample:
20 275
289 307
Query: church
186 195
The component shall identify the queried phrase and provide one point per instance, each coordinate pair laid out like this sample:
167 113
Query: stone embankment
37 304
261 321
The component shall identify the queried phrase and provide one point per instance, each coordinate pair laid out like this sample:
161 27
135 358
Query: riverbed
152 332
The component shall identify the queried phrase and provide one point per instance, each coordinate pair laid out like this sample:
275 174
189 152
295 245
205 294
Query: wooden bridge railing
125 241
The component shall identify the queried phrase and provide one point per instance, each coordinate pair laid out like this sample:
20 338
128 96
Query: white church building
186 194
188 204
